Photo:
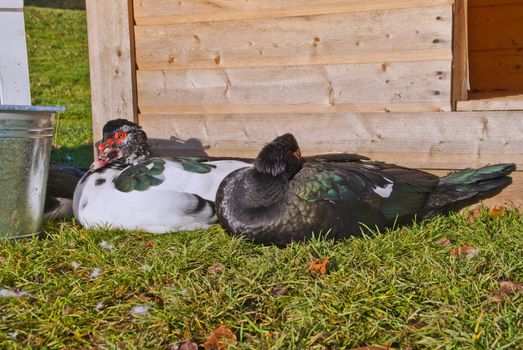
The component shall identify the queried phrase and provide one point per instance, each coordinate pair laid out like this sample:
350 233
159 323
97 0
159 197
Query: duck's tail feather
462 188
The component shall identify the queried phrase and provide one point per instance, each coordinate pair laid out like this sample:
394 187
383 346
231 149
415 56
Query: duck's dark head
280 157
123 140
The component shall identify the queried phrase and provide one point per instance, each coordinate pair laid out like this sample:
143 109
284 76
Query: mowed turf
85 289
59 75
108 289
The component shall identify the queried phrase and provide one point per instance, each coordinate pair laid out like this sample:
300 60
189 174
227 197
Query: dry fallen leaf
319 267
444 242
215 268
375 347
149 244
219 338
186 345
473 214
272 334
497 211
150 297
279 290
509 287
497 296
465 251
506 288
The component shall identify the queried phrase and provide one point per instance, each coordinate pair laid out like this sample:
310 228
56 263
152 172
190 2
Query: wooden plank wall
299 56
224 77
496 46
437 140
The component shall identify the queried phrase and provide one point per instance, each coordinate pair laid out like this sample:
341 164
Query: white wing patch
384 192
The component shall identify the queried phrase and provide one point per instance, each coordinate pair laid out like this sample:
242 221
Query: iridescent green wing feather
359 187
140 176
328 185
194 164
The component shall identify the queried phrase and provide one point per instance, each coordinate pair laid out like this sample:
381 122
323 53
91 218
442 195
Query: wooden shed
431 84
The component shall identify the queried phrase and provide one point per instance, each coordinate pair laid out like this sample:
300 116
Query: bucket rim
25 108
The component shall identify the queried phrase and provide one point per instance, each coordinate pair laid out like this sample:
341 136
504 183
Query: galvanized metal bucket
25 146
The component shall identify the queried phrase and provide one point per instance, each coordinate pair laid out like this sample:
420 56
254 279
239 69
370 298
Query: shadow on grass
58 4
80 157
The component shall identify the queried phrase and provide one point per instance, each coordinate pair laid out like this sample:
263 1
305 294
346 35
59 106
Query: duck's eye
119 136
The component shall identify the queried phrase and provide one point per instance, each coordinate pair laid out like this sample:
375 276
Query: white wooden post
14 70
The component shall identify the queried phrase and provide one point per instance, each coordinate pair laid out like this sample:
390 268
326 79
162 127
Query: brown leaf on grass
186 345
150 297
444 242
278 290
509 287
497 296
497 211
215 268
319 267
375 347
465 251
219 339
506 288
149 244
473 214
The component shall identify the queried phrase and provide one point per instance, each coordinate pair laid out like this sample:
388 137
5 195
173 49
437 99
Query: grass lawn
108 289
59 74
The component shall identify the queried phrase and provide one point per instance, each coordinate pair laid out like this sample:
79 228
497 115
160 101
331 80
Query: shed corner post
112 62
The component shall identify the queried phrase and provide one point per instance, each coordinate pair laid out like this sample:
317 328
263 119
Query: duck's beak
297 153
97 164
105 156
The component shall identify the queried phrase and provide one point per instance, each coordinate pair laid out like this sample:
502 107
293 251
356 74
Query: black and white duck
284 198
127 188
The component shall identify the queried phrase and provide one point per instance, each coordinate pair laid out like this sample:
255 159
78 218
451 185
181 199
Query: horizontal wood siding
443 140
224 77
295 40
342 56
151 12
322 85
496 45
503 103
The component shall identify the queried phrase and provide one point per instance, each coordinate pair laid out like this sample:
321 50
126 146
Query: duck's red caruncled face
108 150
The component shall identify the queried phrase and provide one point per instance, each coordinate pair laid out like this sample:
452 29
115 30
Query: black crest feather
270 160
112 125
277 158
